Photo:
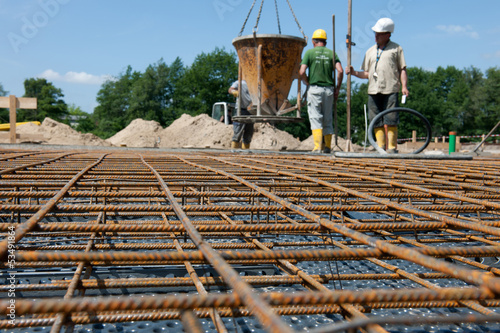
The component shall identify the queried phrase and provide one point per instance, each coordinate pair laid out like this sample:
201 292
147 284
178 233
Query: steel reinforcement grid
217 241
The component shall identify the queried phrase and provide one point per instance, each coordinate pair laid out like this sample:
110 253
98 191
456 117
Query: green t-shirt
319 60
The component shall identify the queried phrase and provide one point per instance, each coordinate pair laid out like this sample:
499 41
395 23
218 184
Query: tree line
461 100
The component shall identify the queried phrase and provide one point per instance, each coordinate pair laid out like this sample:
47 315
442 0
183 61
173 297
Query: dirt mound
198 132
205 132
55 133
266 136
30 128
139 133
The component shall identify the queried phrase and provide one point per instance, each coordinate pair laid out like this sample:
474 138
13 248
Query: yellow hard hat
319 34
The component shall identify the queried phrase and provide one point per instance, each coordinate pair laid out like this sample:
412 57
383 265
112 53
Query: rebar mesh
239 242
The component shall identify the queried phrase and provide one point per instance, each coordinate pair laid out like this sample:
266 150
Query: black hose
399 109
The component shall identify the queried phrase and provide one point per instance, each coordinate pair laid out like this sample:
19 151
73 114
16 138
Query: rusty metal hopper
269 63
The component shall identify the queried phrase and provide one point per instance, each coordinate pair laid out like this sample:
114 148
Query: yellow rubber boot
392 139
380 136
245 145
328 144
235 145
318 139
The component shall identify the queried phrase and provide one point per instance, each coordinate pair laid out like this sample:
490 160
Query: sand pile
201 131
139 133
266 136
56 133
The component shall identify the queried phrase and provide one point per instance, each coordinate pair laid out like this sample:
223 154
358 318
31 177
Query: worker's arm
302 74
404 82
340 74
359 74
340 78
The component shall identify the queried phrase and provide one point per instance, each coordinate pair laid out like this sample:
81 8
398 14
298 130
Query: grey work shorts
320 108
242 132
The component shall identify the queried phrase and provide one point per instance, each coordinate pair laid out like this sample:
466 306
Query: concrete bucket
269 64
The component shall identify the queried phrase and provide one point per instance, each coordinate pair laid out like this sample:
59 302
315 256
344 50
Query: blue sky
77 44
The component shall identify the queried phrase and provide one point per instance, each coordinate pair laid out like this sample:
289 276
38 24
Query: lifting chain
296 21
248 15
277 17
258 19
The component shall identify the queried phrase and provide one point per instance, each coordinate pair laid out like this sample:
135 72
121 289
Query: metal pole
486 137
259 77
240 89
334 84
12 118
348 41
299 97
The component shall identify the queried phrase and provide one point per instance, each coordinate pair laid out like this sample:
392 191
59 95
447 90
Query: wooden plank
4 102
6 135
12 117
26 103
13 104
22 102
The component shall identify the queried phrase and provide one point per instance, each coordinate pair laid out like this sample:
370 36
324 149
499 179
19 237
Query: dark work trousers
381 102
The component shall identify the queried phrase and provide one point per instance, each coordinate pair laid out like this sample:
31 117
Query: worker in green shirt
321 90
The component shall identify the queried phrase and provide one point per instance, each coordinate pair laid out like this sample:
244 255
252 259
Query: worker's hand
349 70
234 93
336 94
405 92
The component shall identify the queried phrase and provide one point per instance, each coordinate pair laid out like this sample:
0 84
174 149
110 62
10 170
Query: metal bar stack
200 240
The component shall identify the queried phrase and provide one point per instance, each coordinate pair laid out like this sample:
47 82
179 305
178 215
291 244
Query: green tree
473 106
114 99
451 99
206 81
489 103
358 101
2 91
79 119
49 101
153 93
176 72
4 113
423 98
451 91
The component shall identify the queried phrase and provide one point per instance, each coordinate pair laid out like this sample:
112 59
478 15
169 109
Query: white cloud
459 30
494 55
74 77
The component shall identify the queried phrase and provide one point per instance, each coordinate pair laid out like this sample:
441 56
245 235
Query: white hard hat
385 24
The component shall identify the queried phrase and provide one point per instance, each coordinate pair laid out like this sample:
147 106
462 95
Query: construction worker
385 68
321 89
242 133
